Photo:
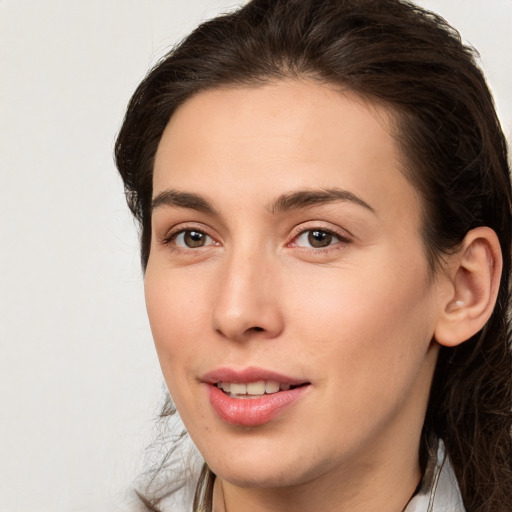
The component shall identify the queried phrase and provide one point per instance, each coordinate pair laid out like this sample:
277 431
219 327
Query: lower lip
251 412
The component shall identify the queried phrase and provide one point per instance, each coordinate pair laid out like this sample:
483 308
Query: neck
386 487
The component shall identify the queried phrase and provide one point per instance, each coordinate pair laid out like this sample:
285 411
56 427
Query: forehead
299 116
252 143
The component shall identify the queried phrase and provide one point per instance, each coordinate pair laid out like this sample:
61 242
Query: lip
250 374
251 412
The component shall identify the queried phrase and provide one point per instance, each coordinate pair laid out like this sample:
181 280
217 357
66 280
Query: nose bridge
246 302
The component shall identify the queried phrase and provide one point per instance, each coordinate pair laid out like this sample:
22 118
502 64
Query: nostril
257 329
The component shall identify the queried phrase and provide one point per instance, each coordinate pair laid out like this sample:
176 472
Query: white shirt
439 491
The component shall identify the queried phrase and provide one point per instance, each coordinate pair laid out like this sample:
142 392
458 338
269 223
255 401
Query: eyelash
340 238
173 235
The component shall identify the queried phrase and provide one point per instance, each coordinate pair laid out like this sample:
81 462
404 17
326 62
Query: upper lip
250 374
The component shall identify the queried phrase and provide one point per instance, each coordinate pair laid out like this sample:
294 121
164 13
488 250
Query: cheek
378 321
176 310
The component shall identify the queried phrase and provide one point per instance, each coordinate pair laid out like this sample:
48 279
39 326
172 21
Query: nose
247 299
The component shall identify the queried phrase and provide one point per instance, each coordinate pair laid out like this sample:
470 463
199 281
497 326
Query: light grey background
79 380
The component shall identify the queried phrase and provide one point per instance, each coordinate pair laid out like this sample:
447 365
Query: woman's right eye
190 239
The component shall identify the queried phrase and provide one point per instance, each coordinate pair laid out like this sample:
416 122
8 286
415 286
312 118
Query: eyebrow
305 198
285 202
182 200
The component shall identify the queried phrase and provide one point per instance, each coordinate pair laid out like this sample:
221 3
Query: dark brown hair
455 154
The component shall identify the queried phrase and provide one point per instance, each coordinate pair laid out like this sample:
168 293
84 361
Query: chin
265 470
258 477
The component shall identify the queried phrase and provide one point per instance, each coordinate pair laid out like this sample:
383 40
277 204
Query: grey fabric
439 491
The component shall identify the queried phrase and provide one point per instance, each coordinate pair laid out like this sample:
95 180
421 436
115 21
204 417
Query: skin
355 318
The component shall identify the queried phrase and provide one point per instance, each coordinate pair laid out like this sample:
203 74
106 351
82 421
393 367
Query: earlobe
474 274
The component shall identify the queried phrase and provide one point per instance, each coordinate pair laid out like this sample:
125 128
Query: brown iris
319 239
194 239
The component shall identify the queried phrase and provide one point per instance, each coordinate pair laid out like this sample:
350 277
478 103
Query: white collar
439 491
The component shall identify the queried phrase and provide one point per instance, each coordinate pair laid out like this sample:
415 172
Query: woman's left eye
191 239
317 238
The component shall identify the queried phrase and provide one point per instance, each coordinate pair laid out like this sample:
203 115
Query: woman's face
287 286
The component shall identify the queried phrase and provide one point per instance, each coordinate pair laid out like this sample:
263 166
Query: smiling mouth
255 389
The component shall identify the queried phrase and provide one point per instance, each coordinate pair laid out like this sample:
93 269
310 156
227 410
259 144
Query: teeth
271 387
225 386
252 388
238 389
256 388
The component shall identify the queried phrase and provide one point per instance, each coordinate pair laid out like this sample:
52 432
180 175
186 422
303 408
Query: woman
325 205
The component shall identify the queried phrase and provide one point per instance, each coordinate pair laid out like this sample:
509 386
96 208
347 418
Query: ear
470 286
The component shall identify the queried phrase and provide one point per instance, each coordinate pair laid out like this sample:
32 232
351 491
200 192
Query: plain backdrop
79 380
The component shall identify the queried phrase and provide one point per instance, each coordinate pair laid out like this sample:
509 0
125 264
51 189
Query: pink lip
250 374
250 412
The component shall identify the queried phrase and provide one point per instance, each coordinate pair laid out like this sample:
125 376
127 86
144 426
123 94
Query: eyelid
174 231
342 234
